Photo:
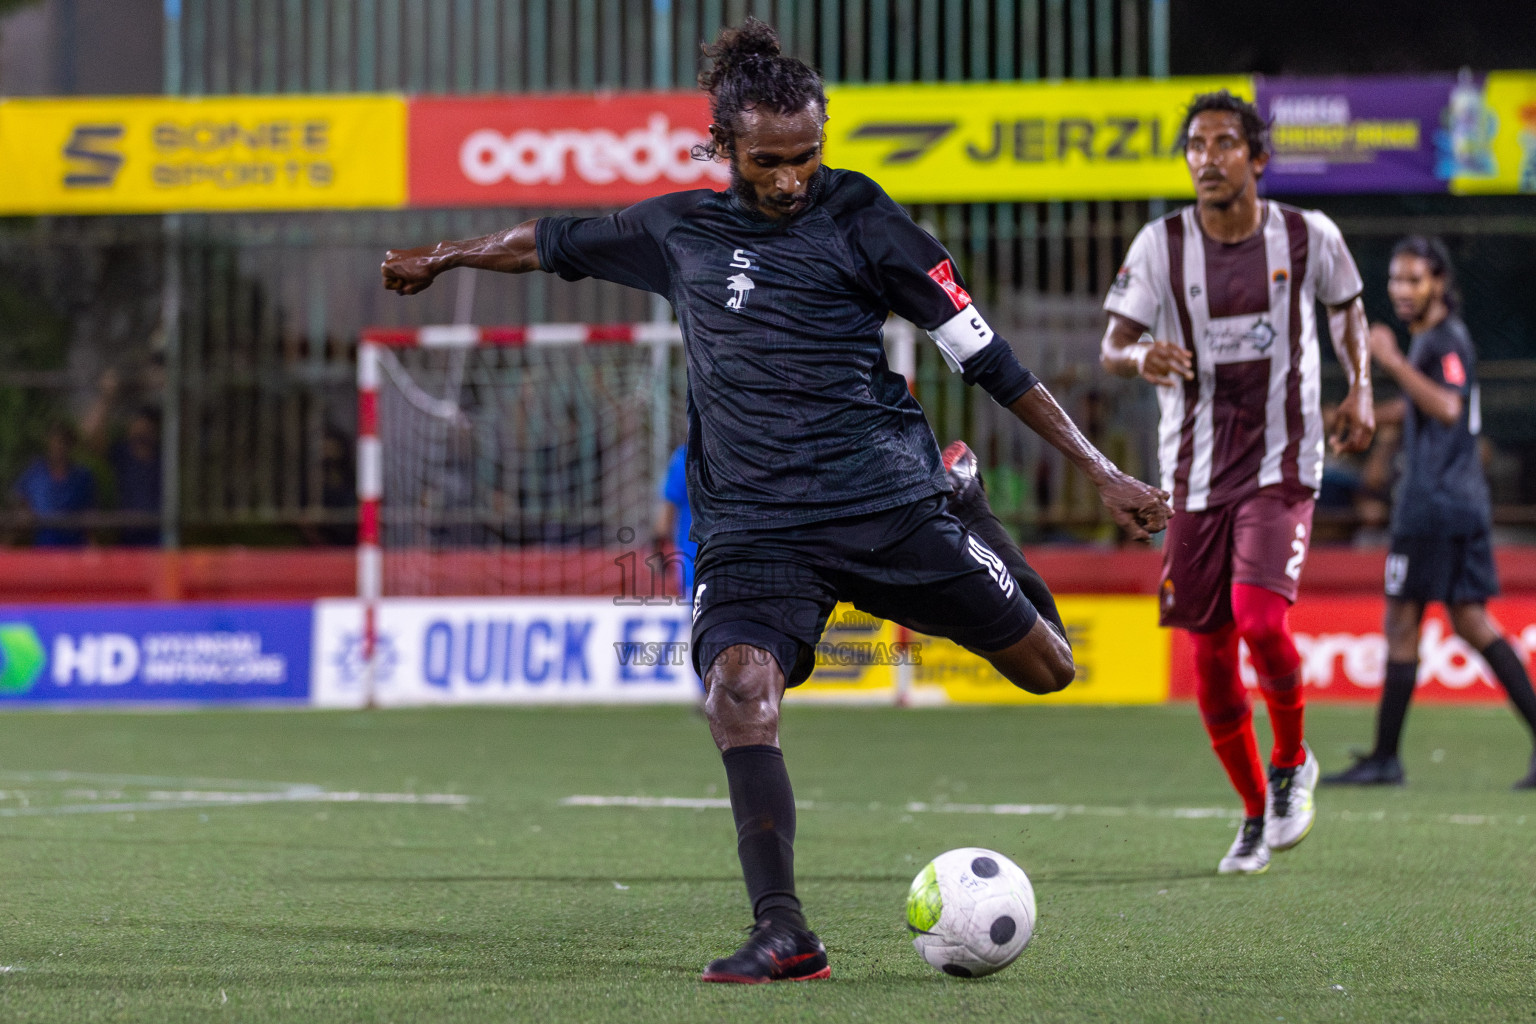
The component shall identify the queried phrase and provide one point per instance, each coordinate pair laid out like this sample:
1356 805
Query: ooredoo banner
155 654
1344 655
557 151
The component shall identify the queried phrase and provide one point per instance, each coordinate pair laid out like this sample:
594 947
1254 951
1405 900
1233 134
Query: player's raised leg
968 503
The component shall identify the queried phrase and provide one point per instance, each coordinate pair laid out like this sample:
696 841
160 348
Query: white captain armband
962 336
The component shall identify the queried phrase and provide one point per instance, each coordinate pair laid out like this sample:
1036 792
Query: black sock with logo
1512 676
1396 693
763 805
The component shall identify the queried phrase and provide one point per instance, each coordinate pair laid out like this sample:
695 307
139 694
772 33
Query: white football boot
1249 854
1289 811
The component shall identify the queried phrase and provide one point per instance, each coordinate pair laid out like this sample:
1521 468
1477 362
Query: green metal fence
241 329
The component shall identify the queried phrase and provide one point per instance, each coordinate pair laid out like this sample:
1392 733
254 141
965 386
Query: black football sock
978 517
1396 692
764 807
1506 665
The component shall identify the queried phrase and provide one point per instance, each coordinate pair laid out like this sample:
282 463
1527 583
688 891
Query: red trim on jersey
944 274
1295 426
1450 367
1186 458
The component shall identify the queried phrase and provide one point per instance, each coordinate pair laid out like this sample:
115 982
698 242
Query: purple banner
1358 135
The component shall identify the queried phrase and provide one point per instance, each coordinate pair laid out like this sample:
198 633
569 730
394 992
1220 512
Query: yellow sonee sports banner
1004 142
151 155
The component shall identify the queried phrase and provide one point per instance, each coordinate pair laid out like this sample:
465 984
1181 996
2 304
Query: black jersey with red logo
1443 491
794 415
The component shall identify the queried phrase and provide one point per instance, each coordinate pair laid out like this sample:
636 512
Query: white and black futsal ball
971 912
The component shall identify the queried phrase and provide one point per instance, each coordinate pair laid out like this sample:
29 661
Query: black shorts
915 565
1451 570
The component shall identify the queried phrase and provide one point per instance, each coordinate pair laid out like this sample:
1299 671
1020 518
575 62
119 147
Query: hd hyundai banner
155 654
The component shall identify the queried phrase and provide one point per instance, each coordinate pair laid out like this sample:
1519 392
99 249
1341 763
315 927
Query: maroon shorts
1260 540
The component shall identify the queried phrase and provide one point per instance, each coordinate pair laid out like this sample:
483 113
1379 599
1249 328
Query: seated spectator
135 462
54 485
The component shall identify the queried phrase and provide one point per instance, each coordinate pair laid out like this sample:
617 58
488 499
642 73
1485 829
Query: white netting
522 469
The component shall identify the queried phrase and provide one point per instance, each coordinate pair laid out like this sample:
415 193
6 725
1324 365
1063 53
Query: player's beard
746 193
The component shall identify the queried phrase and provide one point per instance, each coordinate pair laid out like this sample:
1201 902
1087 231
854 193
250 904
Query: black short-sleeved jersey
1443 490
794 415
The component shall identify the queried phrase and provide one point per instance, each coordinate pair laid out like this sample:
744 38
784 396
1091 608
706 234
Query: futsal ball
971 912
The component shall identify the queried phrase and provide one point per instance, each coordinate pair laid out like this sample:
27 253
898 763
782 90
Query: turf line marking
139 780
1030 810
180 800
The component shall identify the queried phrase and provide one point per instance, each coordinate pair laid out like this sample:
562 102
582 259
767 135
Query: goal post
519 461
508 460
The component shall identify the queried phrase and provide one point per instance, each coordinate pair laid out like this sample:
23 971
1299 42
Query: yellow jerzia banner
152 155
964 143
1122 658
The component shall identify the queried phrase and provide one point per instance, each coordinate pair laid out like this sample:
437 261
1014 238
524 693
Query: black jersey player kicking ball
812 472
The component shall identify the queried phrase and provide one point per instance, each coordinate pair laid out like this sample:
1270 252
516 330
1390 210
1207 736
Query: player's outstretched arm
1140 509
513 251
1127 352
1356 418
1433 399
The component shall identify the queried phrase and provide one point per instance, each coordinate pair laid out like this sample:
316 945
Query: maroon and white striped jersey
1247 312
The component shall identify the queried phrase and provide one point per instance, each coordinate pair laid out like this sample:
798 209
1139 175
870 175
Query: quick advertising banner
511 650
610 149
150 155
154 654
1357 135
1344 654
1014 141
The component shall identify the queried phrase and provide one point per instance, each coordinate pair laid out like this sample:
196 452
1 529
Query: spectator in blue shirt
53 485
673 523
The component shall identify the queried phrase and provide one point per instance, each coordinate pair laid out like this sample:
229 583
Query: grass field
252 866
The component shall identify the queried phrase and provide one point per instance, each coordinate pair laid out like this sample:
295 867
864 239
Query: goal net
517 460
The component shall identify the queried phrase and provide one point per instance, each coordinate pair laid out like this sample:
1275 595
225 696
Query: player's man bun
746 69
1255 128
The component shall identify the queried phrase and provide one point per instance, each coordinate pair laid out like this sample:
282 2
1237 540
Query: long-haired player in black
812 472
1442 546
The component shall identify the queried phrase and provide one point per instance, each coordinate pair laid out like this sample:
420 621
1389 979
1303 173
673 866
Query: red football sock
1228 716
1262 618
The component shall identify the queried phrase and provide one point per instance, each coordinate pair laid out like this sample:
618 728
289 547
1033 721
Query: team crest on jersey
1165 596
944 274
740 285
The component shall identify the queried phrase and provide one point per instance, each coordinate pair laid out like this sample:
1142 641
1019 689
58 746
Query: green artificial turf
1414 904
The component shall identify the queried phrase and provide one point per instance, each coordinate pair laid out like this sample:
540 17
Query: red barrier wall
257 574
